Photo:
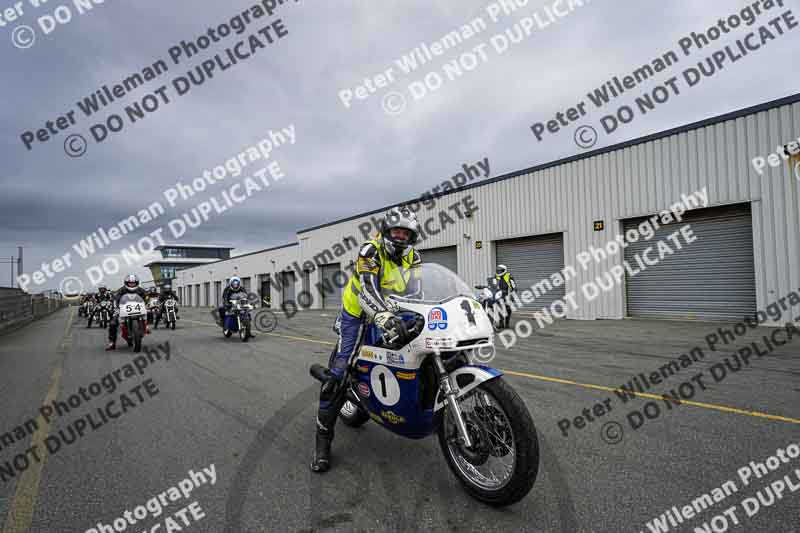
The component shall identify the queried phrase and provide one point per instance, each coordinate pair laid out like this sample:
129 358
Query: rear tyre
512 437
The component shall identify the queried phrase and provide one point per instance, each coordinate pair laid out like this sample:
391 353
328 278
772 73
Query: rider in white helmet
130 286
234 291
507 285
388 263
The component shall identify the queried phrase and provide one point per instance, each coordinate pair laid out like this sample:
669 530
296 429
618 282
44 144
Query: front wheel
137 336
244 330
502 465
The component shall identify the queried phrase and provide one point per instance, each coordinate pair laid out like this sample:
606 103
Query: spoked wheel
501 466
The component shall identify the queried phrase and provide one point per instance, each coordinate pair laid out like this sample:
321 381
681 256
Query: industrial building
538 220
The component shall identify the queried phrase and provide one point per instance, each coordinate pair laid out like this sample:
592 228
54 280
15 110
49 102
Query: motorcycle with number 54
133 320
433 381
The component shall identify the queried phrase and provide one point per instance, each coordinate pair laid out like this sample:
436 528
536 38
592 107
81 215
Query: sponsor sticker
395 358
364 369
437 318
376 418
363 390
447 342
393 418
367 354
406 375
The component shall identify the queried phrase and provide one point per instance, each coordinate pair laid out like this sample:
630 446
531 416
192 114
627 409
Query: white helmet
235 283
131 282
501 270
399 217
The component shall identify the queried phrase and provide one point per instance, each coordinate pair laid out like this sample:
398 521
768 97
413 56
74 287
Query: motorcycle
132 319
89 309
82 309
169 313
237 319
491 299
432 382
153 308
105 313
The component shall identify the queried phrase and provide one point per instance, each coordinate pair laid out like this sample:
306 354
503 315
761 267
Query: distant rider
165 294
387 263
150 301
507 285
234 291
103 295
131 286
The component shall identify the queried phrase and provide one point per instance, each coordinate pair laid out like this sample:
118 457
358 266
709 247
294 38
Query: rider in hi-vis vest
386 264
507 285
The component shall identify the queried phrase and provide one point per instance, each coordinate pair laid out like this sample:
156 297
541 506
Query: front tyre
244 330
501 467
137 335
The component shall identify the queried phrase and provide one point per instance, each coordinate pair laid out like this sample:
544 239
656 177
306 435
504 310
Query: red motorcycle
133 320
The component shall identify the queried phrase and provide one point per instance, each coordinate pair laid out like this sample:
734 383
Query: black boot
321 461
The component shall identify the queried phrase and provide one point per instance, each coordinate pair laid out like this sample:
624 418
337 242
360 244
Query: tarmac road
248 409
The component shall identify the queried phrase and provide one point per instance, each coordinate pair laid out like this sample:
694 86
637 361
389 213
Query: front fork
449 391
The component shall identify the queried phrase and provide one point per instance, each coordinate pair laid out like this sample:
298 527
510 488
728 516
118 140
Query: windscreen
438 284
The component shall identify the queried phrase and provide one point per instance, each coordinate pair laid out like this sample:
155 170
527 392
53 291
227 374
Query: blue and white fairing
389 382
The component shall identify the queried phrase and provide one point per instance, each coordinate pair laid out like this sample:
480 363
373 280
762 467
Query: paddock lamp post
11 260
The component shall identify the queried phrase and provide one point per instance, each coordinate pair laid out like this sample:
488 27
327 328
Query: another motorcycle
433 382
132 320
237 319
169 313
153 308
491 299
104 315
89 309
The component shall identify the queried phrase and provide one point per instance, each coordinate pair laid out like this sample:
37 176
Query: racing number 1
382 379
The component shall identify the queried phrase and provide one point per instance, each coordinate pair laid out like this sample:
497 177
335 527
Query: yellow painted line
659 397
20 512
561 381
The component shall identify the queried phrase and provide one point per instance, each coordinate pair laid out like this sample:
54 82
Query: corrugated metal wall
629 182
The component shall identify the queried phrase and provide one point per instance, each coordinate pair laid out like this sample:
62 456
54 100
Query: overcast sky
345 161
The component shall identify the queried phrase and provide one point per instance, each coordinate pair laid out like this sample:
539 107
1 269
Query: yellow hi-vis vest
394 279
507 278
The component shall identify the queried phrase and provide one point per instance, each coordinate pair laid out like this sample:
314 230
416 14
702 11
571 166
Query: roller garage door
446 256
331 281
712 278
533 260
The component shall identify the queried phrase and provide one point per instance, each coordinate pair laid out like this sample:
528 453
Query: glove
394 328
384 320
